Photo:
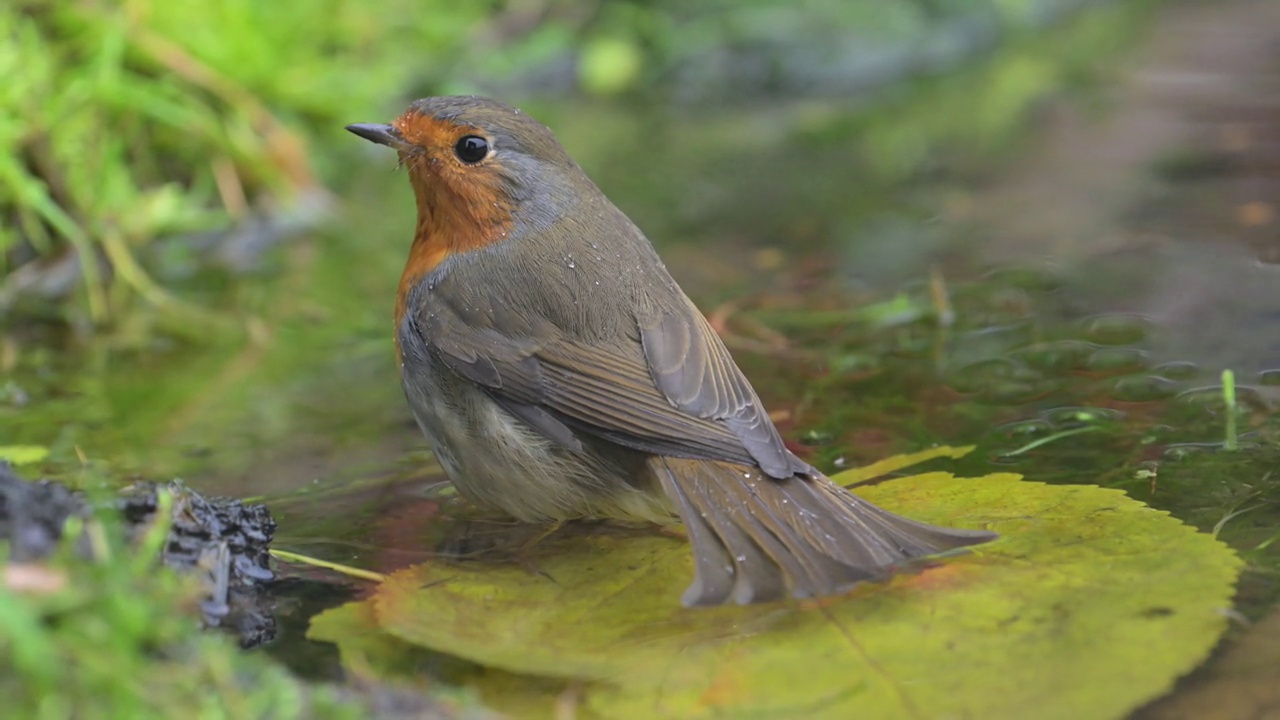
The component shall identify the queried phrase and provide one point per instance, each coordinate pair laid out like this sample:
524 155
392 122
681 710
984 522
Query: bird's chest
451 412
490 456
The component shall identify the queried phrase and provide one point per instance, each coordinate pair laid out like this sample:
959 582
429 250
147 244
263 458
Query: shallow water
1103 257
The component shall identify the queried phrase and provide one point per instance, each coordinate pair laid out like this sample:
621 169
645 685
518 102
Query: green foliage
609 65
125 123
1232 441
23 454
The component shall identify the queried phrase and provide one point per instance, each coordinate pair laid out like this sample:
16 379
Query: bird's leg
546 532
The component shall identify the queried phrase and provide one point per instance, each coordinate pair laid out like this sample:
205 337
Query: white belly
495 459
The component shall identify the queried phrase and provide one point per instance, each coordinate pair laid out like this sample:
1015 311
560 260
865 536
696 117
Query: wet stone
1143 388
1115 360
981 376
1016 392
1178 370
32 514
1024 429
1116 329
1158 434
1060 356
1182 451
1065 418
996 338
226 540
1209 397
223 541
1212 398
1032 279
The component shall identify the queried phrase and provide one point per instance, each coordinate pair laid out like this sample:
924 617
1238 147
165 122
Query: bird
558 372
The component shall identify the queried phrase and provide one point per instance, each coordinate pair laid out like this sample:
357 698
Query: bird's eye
471 149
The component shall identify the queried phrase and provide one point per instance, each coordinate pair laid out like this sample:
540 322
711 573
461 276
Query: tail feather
757 539
762 548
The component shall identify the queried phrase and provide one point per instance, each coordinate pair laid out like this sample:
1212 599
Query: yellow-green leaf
1089 605
23 454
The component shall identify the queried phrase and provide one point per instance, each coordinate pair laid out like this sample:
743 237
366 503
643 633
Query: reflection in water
1166 204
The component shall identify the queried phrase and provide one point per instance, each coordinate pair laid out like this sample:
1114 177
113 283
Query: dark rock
225 542
228 542
32 514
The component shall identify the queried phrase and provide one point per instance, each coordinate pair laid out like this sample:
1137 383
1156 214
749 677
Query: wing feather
667 386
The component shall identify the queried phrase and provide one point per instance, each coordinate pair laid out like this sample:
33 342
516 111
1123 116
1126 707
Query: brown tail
757 539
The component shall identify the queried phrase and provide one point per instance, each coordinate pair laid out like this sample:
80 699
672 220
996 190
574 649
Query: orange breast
461 208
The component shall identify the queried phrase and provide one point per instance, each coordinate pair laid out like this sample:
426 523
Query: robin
559 372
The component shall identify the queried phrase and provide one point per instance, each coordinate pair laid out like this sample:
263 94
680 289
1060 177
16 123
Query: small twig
230 189
1050 438
123 261
1217 527
941 297
317 562
568 701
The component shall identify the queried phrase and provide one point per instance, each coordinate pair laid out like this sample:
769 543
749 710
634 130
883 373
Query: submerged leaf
1090 604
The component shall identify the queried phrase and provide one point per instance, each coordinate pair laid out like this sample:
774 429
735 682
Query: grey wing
696 373
564 388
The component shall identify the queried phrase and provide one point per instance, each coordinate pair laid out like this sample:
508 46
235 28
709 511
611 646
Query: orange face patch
461 206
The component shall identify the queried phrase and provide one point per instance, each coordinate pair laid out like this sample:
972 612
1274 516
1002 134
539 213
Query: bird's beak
381 134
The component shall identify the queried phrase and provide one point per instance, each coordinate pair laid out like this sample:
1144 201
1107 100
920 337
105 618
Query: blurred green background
142 142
